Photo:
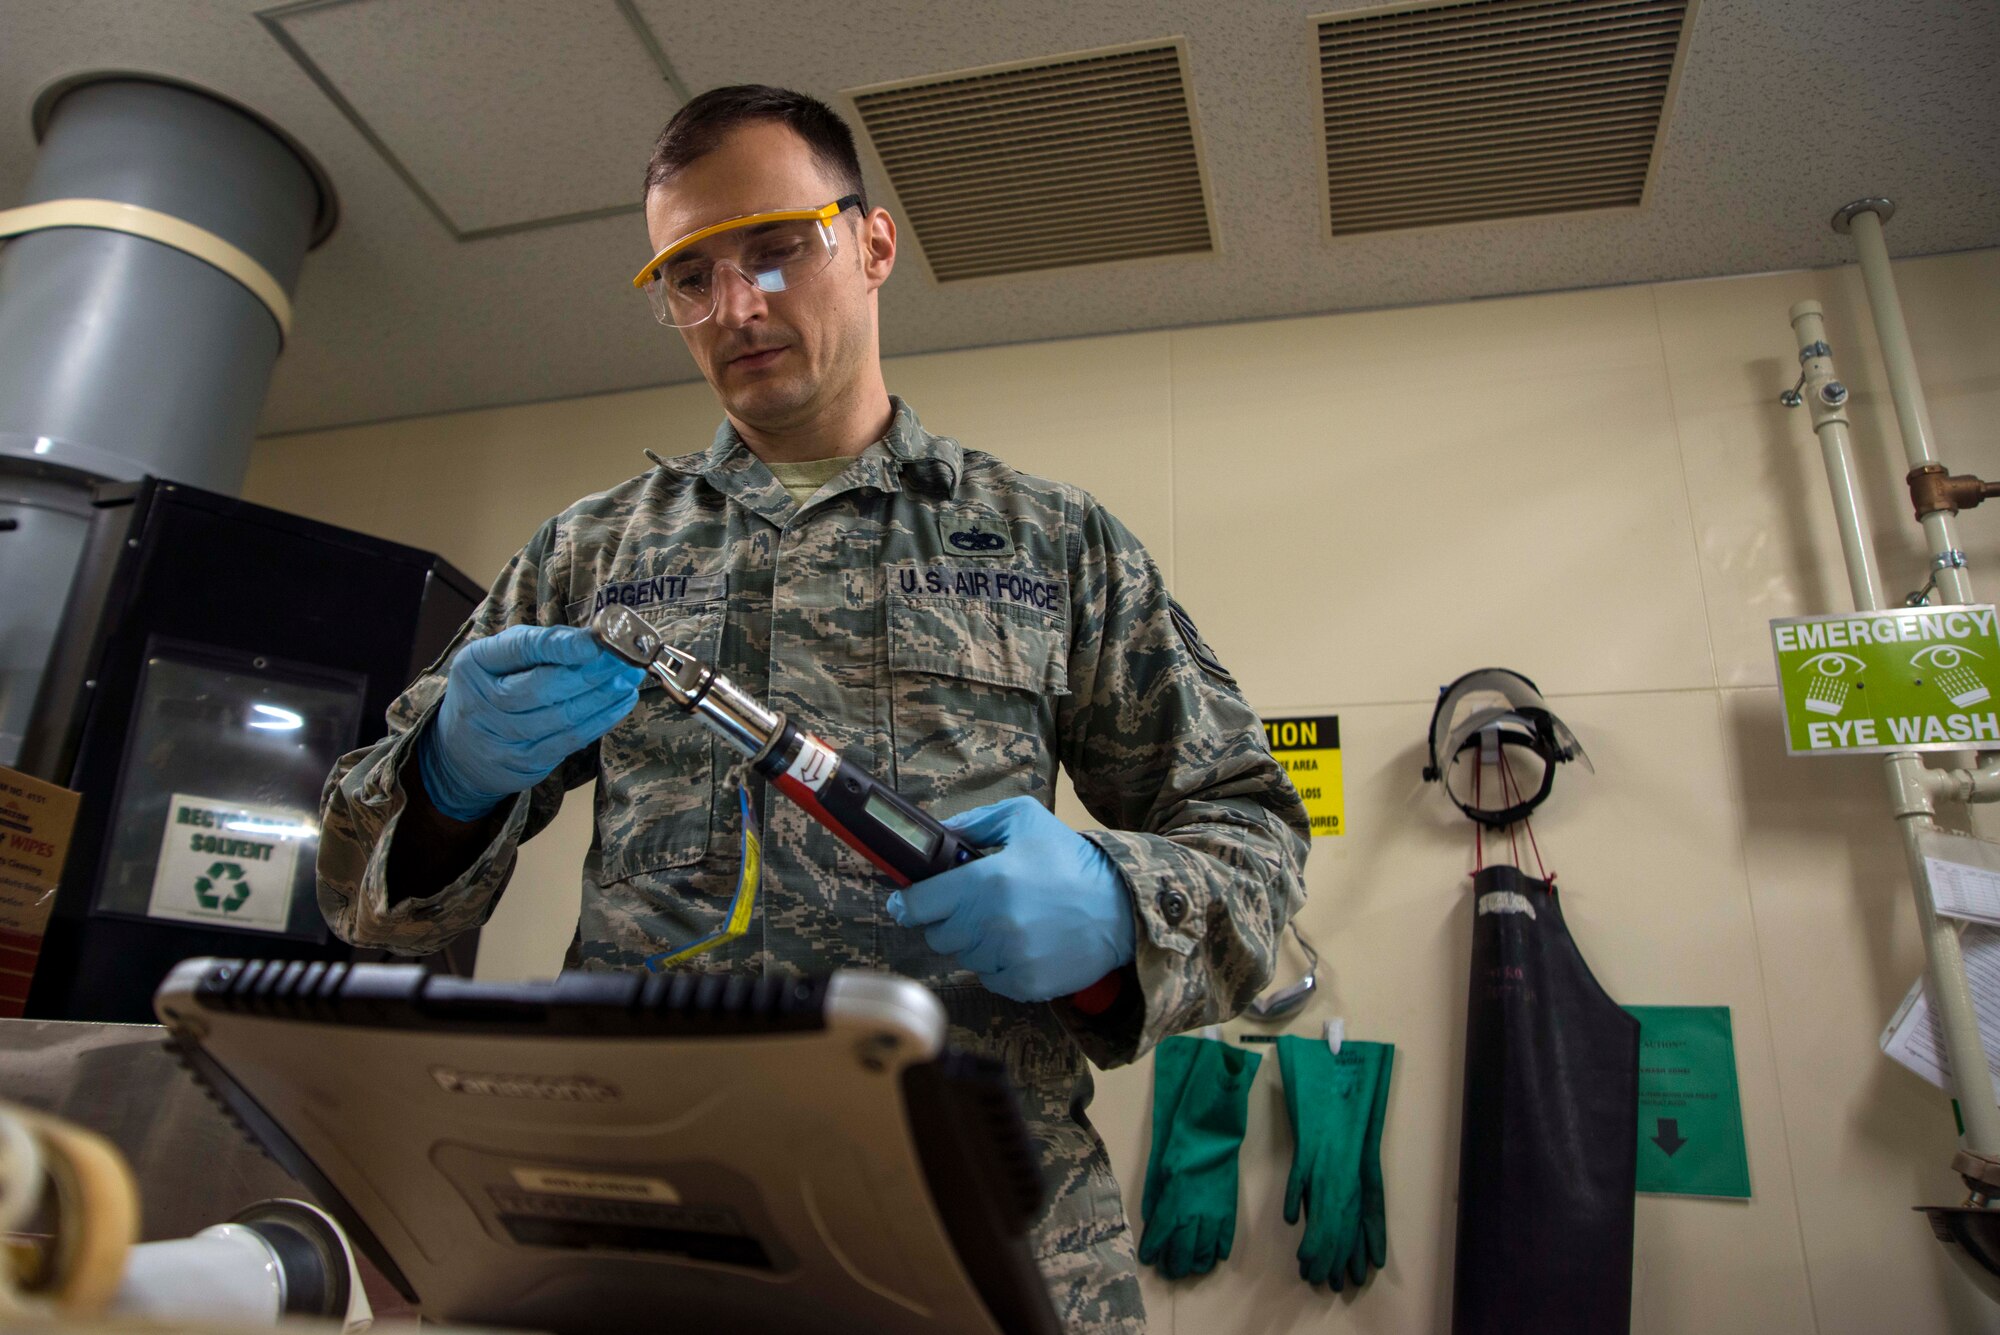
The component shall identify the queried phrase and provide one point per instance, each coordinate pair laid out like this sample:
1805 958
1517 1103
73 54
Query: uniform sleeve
364 797
1204 826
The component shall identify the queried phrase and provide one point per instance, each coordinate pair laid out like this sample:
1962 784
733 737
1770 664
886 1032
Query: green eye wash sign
1915 679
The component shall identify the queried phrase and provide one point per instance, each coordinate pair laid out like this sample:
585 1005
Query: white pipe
1911 785
1913 414
1829 419
1950 995
226 1274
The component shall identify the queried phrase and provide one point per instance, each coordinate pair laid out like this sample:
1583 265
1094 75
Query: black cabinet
215 657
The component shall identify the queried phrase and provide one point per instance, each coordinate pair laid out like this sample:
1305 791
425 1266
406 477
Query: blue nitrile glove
515 706
1201 1105
1042 915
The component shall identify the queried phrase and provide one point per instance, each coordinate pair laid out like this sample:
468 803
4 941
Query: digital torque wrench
905 842
868 815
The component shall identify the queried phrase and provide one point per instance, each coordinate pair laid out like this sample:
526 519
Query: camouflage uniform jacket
963 628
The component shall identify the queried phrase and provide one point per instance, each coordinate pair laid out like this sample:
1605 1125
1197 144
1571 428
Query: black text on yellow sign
1309 749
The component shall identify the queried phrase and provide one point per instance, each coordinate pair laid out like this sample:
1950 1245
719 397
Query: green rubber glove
1201 1104
1371 1249
1333 1100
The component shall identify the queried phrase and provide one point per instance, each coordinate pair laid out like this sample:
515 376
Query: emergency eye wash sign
229 864
1913 679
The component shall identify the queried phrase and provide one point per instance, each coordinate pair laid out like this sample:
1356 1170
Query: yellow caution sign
1309 749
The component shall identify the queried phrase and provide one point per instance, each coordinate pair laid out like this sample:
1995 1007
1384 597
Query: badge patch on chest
967 533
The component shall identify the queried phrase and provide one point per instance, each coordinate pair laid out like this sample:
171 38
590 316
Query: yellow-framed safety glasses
772 252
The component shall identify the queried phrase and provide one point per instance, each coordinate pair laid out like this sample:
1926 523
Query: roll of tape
111 216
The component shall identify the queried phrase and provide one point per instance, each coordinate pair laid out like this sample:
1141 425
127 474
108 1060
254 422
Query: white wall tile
1095 412
1839 947
1597 488
1755 479
1369 505
1648 862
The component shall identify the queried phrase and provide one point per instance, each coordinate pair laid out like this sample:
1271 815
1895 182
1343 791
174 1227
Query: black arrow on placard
1669 1137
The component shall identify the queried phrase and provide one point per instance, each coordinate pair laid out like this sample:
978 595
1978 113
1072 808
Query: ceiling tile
1786 109
502 113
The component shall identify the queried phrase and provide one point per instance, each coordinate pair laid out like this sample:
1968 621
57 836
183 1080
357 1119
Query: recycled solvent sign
229 864
1912 679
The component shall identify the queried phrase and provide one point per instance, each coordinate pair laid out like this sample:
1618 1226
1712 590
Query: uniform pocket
973 690
656 789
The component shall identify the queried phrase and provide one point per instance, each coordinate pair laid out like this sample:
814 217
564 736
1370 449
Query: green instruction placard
1690 1119
1914 679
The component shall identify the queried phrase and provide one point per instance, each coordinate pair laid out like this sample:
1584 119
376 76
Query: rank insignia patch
1197 646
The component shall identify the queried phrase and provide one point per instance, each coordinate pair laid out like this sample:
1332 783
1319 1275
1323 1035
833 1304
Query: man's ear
878 247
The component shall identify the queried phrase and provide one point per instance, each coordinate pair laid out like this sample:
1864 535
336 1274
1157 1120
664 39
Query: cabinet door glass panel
217 817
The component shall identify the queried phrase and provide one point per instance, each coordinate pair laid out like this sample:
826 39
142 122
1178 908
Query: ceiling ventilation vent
1481 109
1080 159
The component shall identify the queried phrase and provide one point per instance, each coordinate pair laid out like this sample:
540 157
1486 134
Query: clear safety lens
769 256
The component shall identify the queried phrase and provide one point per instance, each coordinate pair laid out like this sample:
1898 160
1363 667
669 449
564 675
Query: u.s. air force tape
1020 588
1197 646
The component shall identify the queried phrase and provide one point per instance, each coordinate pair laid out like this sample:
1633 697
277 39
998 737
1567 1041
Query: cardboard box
35 823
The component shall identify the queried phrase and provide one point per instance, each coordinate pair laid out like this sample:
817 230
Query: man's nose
738 300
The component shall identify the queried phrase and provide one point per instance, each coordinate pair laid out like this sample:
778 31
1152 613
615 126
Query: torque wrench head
626 635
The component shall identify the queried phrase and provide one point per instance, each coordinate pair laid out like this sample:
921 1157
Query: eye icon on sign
1833 675
1946 664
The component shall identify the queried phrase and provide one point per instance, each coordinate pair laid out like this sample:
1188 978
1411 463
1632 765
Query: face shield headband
1509 707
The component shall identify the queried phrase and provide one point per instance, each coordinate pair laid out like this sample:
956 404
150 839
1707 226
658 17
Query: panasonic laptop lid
610 1152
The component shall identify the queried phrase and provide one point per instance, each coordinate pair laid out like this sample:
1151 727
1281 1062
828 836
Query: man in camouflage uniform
960 627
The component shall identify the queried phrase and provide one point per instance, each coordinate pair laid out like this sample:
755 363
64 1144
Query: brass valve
1932 490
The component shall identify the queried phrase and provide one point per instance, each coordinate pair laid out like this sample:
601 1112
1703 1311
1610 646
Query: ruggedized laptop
618 1152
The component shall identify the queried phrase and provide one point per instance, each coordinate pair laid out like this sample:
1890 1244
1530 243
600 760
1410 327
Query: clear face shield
1509 708
777 251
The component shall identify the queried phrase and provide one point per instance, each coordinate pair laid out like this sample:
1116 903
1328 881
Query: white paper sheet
1913 1038
1964 875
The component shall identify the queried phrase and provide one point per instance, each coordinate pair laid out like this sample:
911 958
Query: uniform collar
908 442
731 467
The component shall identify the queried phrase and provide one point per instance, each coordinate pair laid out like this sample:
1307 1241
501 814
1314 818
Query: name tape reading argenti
1912 679
1309 749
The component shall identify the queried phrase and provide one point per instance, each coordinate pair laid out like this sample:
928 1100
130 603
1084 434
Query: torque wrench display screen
900 825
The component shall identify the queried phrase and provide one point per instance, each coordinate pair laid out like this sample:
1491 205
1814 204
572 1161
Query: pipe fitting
1913 786
1964 786
1980 1171
1947 785
1932 491
1983 784
1843 219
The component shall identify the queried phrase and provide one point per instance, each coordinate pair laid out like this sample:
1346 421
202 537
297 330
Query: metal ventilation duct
1437 114
1077 159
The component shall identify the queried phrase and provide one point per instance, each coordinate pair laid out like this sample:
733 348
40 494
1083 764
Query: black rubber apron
1548 1146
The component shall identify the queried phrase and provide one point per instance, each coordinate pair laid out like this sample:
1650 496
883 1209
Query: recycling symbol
223 888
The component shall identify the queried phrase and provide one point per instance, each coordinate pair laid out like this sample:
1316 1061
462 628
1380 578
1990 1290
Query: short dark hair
698 128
